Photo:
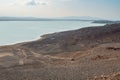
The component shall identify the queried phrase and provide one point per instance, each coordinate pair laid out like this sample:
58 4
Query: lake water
12 32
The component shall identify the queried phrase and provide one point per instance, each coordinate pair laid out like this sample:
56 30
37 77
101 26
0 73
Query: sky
107 9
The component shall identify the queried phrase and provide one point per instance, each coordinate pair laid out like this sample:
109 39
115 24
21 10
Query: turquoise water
12 32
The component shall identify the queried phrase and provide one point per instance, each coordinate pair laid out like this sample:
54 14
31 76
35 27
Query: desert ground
91 53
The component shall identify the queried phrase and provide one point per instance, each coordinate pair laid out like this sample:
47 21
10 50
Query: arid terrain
91 53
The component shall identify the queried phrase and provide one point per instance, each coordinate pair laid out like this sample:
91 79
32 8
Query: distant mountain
71 18
21 19
82 18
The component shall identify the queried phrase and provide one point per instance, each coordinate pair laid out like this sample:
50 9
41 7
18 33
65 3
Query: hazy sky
56 8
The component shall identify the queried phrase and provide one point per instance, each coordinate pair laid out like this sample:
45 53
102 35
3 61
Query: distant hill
71 18
82 18
106 21
22 19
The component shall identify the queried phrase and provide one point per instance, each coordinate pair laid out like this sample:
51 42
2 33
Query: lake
12 32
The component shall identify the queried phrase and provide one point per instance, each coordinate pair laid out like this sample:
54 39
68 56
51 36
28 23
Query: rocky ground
91 53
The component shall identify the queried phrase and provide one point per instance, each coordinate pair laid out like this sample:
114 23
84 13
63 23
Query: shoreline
39 37
19 42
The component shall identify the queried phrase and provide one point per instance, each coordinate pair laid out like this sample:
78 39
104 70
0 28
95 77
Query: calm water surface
19 31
